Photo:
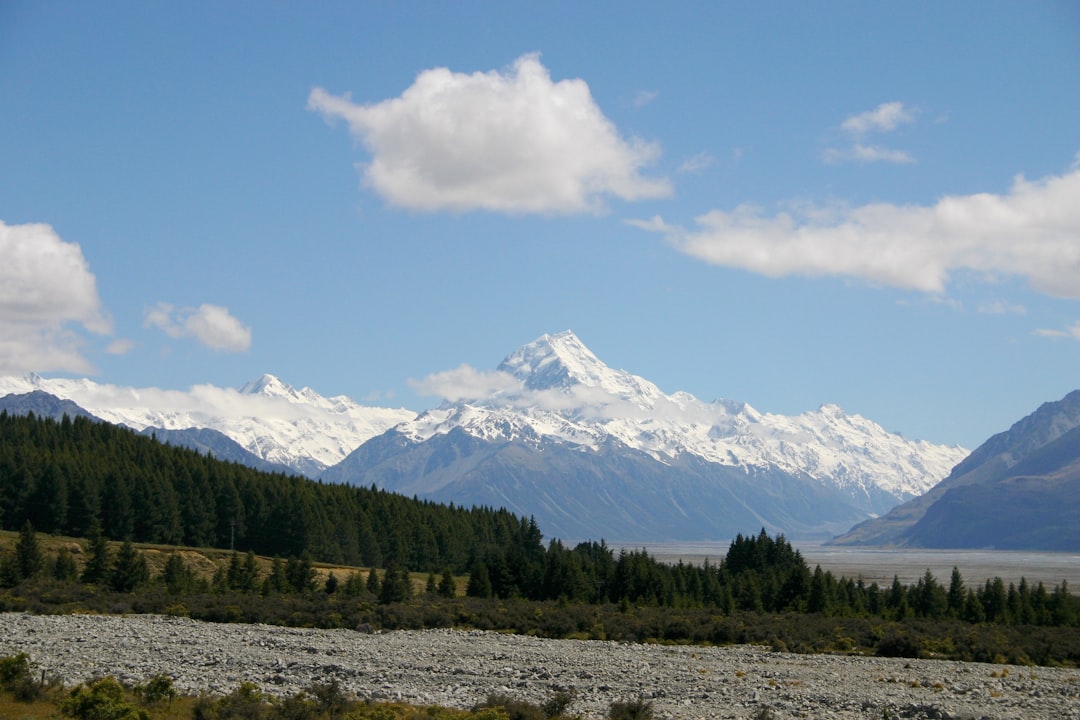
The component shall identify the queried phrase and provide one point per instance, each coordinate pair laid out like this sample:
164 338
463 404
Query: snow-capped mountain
566 439
299 429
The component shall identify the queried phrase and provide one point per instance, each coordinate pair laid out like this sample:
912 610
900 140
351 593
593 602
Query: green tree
99 559
130 571
396 586
178 575
447 584
29 561
373 584
479 581
64 568
243 575
300 573
957 595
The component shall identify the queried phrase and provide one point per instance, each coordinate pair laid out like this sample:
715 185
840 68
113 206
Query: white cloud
868 153
1032 231
1000 307
465 383
698 163
121 346
1073 331
644 97
884 118
502 389
512 142
210 325
46 288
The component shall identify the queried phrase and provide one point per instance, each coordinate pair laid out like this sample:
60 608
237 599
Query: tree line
98 481
76 477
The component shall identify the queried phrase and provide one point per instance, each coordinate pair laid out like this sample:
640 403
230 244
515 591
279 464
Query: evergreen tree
99 559
396 586
130 571
373 584
178 575
447 584
956 595
29 561
479 581
432 585
354 584
243 575
331 585
276 581
300 573
64 568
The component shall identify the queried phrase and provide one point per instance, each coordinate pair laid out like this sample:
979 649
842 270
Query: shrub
631 710
101 700
514 708
158 690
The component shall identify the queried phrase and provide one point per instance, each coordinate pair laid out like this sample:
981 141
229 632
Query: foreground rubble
460 668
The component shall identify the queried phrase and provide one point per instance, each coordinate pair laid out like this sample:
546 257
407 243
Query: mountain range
1019 490
587 450
282 428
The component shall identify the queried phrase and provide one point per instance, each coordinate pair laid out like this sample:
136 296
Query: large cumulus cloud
513 142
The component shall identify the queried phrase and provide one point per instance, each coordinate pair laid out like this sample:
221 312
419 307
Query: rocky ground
460 668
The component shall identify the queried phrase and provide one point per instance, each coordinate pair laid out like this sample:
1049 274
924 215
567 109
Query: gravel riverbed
460 668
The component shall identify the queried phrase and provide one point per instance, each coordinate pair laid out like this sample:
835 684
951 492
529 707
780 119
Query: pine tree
99 561
64 568
28 558
396 586
300 573
479 581
178 575
130 571
447 585
373 584
432 586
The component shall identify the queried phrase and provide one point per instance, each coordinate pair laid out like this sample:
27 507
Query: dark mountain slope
1018 489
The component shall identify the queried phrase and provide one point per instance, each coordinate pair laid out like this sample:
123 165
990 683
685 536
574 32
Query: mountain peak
554 361
267 385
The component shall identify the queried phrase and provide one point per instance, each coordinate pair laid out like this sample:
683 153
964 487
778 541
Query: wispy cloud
210 325
47 293
868 153
1032 231
885 118
512 142
698 163
1000 307
644 97
1073 331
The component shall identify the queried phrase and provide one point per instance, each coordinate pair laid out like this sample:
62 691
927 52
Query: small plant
631 710
763 713
514 708
557 704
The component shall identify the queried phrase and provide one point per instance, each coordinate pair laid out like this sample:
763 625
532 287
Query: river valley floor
456 668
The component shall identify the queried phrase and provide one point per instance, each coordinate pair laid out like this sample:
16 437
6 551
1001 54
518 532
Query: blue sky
868 204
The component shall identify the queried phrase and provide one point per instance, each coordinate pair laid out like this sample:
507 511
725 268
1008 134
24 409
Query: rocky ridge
460 668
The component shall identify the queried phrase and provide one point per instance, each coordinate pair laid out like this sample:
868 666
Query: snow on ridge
569 395
269 418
